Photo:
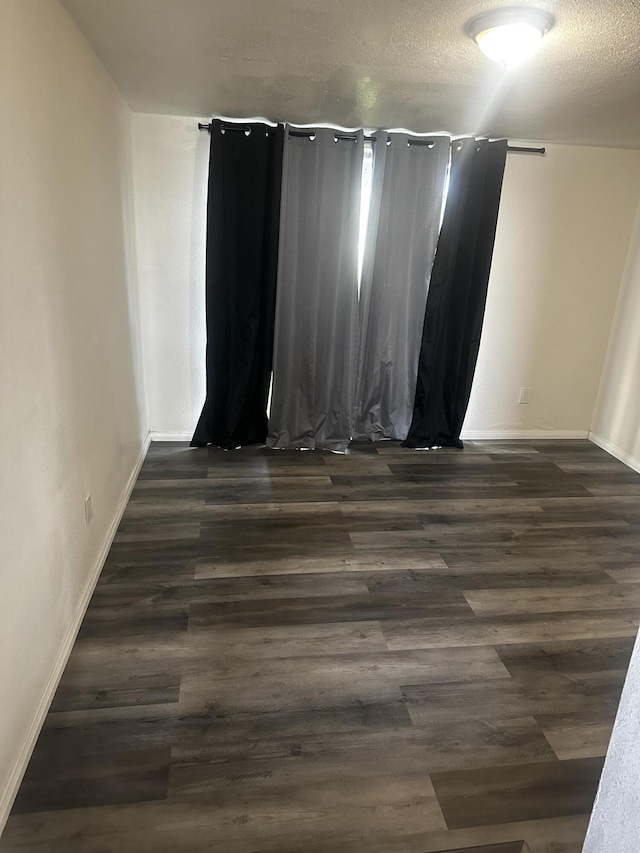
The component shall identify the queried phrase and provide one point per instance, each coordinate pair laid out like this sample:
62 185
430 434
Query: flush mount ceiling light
510 36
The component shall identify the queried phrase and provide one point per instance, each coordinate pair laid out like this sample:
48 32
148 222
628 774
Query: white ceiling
390 63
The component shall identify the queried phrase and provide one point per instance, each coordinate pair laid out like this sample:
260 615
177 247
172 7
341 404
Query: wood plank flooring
383 652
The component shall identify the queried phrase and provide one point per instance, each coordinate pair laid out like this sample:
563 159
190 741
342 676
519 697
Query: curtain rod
521 149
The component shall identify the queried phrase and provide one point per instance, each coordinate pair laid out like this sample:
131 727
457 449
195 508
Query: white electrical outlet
88 510
525 393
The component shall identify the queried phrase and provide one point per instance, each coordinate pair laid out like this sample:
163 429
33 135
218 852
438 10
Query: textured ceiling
391 63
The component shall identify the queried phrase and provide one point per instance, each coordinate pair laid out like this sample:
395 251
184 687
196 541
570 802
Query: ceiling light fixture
510 36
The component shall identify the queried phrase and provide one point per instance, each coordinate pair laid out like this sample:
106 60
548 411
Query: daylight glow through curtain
316 337
404 217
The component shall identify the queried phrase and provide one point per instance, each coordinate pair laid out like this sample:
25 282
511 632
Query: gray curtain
409 176
316 334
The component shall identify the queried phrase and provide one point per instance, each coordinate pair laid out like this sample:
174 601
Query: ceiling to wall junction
391 63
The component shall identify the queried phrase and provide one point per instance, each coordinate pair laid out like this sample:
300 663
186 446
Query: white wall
171 162
71 416
562 238
563 233
616 423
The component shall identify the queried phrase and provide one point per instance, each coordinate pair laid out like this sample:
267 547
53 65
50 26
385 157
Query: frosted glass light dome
510 36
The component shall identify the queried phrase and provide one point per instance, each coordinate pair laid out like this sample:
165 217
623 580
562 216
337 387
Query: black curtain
457 293
243 215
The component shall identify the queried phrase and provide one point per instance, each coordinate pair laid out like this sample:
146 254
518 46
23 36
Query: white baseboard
523 434
8 795
632 461
171 436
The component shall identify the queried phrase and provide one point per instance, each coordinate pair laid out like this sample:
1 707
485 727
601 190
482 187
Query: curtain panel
408 184
457 294
315 347
243 216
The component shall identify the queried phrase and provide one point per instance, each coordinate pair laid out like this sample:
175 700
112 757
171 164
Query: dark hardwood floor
384 652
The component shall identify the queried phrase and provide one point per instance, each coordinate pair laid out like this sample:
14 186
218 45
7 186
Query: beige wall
616 423
70 410
563 232
562 238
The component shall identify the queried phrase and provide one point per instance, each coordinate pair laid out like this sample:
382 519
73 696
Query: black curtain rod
523 149
418 141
